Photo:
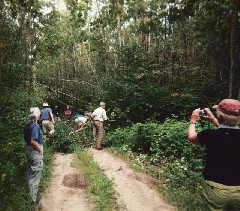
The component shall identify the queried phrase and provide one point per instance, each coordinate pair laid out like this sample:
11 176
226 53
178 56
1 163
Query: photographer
222 167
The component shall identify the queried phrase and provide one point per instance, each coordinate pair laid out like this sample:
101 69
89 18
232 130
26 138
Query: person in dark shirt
56 114
222 167
33 137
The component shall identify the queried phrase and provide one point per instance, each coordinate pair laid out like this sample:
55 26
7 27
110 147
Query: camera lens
201 113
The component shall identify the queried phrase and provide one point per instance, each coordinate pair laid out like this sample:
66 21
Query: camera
201 113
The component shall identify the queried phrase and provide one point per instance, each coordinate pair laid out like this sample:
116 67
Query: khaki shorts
47 126
220 197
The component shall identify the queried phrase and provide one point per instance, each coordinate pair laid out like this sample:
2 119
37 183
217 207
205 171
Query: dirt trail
64 192
133 192
133 188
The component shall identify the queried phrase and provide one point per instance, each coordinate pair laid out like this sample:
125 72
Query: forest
151 61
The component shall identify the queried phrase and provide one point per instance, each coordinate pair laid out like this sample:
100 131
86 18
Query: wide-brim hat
229 107
45 104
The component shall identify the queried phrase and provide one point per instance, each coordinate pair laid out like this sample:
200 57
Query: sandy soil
66 191
134 192
133 188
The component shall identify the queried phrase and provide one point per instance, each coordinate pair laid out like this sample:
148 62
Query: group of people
33 137
222 168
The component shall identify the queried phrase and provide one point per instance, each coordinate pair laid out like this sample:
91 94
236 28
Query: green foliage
167 139
163 150
15 105
12 163
65 139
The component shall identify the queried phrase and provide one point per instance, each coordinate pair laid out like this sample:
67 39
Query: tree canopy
146 58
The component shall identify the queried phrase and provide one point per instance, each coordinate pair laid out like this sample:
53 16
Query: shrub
65 139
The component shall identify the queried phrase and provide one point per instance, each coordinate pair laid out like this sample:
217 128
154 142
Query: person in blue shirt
33 137
47 119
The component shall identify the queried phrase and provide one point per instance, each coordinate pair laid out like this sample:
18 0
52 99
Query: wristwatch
192 122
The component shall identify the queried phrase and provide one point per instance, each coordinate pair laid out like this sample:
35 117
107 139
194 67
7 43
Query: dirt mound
66 191
75 181
145 179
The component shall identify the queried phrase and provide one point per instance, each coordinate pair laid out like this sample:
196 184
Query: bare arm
52 118
36 145
209 115
192 135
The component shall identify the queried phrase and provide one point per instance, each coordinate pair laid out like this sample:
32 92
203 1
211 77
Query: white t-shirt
81 120
100 114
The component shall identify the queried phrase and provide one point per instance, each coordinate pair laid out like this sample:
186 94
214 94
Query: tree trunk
233 48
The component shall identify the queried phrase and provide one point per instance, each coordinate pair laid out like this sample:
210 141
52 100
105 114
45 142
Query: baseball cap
229 107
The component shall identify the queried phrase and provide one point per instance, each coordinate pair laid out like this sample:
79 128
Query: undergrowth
65 139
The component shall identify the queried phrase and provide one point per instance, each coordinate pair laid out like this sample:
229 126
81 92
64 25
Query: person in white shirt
81 120
99 116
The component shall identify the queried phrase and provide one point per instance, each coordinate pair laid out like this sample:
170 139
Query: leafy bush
12 160
15 105
158 140
65 139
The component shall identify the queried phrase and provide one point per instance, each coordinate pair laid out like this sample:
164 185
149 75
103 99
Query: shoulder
208 132
32 126
96 110
36 125
101 109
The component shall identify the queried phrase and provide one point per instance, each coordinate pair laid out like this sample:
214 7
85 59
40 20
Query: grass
100 191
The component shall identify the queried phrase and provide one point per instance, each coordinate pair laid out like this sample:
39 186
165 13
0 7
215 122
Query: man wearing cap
47 119
222 167
99 116
34 152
